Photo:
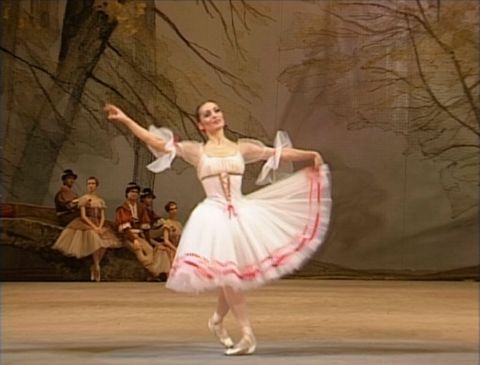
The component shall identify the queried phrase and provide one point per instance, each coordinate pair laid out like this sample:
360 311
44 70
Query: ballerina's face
210 117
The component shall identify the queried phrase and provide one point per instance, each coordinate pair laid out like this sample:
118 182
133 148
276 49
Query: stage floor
300 322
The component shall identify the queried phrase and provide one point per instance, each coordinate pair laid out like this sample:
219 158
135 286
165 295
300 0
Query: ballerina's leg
237 303
222 307
215 323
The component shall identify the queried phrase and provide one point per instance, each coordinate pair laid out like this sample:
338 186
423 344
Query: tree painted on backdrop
98 62
409 67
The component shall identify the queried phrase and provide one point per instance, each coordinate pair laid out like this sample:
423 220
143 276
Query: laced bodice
221 177
93 206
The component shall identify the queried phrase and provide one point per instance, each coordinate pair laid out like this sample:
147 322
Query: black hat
147 192
67 173
132 186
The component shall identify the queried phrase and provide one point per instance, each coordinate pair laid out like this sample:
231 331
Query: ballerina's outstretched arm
295 154
116 114
253 150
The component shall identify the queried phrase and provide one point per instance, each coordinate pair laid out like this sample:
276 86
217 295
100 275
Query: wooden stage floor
300 322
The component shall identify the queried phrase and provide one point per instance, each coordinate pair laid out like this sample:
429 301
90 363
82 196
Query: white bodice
221 177
213 165
219 174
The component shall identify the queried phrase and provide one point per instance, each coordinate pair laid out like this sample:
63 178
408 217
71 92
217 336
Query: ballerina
234 242
89 234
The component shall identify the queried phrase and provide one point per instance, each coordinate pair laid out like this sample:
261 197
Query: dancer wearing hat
161 258
130 217
66 199
133 224
146 198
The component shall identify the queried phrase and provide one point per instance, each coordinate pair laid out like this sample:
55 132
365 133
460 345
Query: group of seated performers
151 238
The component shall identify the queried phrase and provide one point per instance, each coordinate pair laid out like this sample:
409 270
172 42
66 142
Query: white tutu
244 241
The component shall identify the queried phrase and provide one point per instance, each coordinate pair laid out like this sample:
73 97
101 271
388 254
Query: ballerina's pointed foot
245 346
92 272
221 333
97 273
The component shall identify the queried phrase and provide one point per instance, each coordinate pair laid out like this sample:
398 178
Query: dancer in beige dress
172 230
88 234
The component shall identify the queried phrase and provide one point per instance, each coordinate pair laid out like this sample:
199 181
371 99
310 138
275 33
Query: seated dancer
133 224
146 198
172 230
88 234
155 234
66 199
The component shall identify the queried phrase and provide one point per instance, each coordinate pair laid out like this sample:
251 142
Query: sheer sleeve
190 151
253 150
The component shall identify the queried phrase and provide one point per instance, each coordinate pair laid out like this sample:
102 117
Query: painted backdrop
388 91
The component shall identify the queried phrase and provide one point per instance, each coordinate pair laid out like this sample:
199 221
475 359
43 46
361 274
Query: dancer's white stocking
222 308
236 302
215 324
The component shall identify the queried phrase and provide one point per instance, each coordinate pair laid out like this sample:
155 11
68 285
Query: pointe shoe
245 346
221 333
92 273
97 273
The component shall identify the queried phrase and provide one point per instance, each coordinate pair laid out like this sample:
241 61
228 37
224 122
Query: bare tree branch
107 86
61 84
182 112
221 73
57 114
449 51
206 8
429 89
385 70
119 94
33 66
475 107
367 30
422 12
222 20
254 11
134 92
451 147
233 10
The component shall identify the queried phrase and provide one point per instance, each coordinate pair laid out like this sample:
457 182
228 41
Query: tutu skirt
78 239
264 236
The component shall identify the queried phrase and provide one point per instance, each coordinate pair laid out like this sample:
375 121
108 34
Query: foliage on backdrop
388 91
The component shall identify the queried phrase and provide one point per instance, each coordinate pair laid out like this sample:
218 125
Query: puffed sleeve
253 150
190 151
102 204
83 201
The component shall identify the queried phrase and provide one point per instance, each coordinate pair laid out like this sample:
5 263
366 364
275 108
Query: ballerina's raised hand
115 114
